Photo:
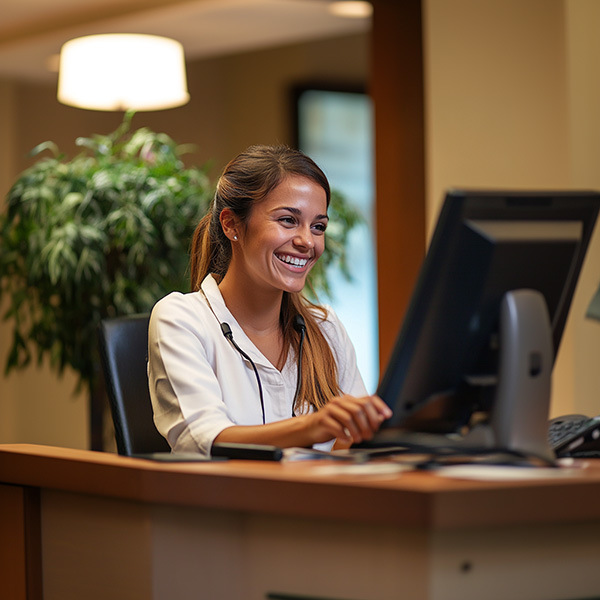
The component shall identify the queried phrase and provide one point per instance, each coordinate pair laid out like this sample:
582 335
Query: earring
235 238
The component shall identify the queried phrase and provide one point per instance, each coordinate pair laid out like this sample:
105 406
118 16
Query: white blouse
200 384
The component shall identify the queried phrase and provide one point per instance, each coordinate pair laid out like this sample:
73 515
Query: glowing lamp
122 72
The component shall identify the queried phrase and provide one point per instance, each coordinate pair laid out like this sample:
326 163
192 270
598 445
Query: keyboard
575 435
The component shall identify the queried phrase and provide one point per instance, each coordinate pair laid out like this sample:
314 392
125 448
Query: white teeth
297 262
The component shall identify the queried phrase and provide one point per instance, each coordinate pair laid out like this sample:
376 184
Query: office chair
123 343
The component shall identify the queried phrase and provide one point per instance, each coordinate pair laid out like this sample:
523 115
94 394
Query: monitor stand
519 418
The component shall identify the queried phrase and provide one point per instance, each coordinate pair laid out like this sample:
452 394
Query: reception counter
86 525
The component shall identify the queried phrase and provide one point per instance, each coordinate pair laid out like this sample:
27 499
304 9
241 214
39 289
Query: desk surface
413 499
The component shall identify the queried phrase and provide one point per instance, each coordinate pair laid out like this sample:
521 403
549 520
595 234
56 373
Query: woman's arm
184 347
349 419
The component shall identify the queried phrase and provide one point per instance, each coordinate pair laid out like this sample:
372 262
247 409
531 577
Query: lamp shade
122 72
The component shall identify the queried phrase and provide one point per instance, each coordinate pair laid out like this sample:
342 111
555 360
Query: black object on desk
174 457
219 451
246 451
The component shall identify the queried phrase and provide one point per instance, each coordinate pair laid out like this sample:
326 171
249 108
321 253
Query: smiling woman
280 242
251 255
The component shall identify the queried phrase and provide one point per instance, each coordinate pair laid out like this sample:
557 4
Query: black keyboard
575 435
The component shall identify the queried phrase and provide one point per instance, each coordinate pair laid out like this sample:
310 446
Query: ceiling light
354 9
122 72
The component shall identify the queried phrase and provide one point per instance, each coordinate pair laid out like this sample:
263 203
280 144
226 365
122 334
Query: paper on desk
354 455
378 469
345 463
504 473
305 454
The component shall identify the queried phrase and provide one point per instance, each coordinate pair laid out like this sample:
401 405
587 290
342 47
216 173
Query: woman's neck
255 308
257 312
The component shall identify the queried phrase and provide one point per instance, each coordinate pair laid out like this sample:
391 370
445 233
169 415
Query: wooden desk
86 525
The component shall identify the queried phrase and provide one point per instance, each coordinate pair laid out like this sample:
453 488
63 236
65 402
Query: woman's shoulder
179 304
177 299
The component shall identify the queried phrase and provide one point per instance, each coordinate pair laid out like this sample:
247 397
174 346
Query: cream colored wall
495 95
583 71
512 103
236 101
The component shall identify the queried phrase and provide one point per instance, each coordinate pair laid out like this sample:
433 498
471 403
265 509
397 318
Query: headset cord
229 335
300 326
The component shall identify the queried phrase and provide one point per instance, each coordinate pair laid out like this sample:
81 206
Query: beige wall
235 101
512 102
496 95
583 71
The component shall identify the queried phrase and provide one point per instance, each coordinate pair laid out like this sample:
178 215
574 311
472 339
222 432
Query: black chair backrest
123 345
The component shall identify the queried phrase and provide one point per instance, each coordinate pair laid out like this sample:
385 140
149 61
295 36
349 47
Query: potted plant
105 234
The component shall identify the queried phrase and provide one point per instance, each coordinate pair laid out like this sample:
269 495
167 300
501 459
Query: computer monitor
473 359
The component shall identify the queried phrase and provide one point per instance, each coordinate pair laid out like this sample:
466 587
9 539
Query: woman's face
285 234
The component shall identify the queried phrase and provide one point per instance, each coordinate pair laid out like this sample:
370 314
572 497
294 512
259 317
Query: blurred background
511 97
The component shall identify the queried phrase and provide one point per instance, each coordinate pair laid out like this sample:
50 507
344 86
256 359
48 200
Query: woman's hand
351 420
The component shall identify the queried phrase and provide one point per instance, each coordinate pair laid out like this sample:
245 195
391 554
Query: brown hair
247 179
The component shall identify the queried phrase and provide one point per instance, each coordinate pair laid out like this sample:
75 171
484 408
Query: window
335 129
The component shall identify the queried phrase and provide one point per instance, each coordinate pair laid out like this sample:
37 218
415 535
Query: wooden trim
33 543
398 97
13 580
20 543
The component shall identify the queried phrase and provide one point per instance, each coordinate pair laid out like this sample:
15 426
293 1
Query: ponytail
200 253
210 251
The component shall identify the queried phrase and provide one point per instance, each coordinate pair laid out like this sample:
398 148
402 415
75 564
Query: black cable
300 326
229 335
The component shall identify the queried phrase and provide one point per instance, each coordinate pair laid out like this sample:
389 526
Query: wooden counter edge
418 500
